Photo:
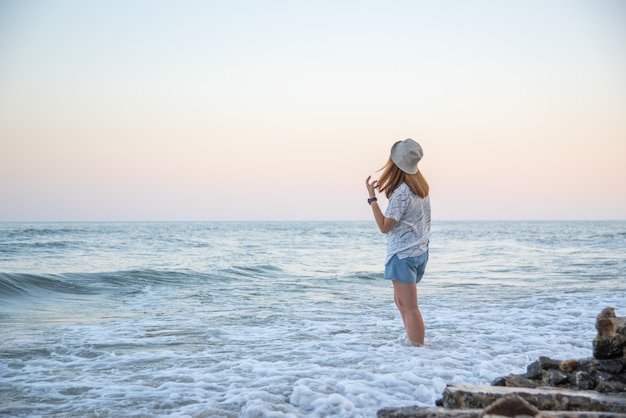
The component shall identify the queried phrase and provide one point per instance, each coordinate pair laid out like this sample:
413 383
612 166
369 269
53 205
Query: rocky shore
583 388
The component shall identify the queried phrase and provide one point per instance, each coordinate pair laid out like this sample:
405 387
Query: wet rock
584 381
615 366
611 348
611 339
554 377
546 363
545 399
517 381
534 370
509 406
568 366
584 365
585 374
423 412
610 386
493 401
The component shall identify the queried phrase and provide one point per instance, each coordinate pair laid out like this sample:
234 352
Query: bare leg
405 296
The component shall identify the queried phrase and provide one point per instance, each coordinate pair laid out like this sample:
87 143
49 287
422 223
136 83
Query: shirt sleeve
398 202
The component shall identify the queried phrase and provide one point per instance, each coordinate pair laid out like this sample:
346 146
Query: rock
613 366
533 370
579 414
608 324
554 377
509 406
609 348
547 363
584 365
571 374
610 386
516 381
545 399
611 339
427 412
568 366
584 381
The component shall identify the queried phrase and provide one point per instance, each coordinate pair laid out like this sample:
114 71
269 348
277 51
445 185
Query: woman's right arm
384 224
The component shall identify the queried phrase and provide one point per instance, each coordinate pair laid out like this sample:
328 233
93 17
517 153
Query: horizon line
301 220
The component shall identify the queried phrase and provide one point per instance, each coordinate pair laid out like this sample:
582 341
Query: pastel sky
278 110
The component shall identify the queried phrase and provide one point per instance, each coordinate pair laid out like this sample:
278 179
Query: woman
407 225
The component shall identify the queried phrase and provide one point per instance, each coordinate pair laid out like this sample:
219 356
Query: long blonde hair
392 177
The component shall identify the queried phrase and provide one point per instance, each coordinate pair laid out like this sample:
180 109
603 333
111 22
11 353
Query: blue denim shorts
407 270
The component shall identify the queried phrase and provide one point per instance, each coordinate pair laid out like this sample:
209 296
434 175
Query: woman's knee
405 294
397 297
405 305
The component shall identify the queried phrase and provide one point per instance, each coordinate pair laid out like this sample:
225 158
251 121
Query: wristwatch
372 199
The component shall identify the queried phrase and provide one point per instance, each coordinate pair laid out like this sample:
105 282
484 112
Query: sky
150 110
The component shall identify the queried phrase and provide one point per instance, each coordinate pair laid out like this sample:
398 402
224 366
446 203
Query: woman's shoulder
401 190
405 190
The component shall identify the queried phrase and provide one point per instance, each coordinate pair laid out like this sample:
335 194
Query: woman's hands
384 224
371 187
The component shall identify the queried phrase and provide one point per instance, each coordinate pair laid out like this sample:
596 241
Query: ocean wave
129 281
28 248
43 231
262 270
29 284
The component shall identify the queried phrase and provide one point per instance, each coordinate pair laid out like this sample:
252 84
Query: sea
285 319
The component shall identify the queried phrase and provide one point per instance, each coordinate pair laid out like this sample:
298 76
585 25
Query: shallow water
284 319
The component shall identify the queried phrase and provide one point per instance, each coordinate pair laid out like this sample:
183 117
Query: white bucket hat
406 154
